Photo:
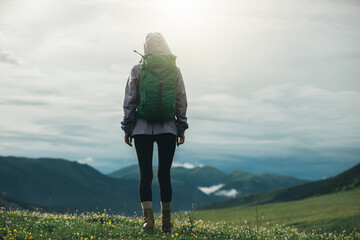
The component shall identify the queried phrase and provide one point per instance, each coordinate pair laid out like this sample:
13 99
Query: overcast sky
272 85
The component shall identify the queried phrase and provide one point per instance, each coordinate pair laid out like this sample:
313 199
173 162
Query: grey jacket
135 125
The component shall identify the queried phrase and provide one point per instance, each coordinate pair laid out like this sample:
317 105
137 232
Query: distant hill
242 182
347 180
258 183
63 185
202 176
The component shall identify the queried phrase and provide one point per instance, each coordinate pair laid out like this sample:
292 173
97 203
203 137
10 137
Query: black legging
144 145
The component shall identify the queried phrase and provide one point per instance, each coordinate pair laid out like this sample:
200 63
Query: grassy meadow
333 216
332 212
34 225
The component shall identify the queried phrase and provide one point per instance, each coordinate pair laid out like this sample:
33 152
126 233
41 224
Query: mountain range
344 181
217 183
65 186
60 185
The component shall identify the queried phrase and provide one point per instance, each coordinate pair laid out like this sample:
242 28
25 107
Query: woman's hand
128 139
180 139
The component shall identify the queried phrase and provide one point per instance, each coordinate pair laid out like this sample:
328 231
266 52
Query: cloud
23 101
288 115
270 83
88 160
212 189
186 165
227 193
8 57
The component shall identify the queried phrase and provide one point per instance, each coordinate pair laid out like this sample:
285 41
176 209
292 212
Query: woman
147 128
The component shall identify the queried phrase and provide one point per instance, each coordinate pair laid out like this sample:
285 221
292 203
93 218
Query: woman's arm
131 101
181 107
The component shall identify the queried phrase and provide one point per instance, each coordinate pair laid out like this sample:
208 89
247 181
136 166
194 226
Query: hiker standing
155 111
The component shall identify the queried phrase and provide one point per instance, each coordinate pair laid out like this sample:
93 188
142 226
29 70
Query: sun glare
179 8
181 4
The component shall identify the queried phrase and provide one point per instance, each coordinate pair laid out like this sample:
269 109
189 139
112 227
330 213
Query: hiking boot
149 223
166 217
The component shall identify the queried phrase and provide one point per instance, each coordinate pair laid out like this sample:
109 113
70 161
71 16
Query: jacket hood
155 43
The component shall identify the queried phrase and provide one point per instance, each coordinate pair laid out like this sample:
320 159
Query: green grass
332 212
35 225
334 216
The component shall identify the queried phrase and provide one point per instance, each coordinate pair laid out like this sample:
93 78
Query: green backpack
158 87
